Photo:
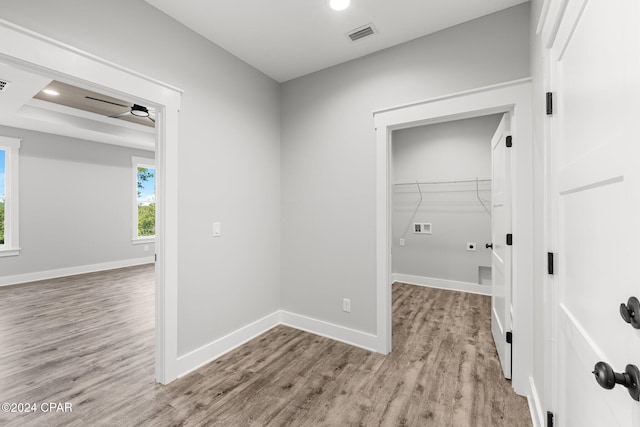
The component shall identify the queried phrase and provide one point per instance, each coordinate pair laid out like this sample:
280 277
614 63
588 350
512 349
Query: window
144 207
9 196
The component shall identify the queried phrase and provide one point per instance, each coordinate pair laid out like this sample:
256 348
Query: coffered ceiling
23 104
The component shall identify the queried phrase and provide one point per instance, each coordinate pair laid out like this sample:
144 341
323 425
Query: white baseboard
335 332
537 413
215 349
431 282
72 271
210 352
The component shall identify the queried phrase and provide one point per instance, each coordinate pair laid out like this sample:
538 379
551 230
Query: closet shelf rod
459 181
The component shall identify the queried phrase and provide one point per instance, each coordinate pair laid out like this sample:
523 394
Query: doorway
513 97
441 215
48 57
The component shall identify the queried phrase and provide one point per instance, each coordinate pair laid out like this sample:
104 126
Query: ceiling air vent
3 85
362 32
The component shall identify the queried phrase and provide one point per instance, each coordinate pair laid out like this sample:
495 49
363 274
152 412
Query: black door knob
631 312
489 246
607 378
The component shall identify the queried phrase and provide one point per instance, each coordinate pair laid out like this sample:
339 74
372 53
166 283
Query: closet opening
512 145
441 204
448 217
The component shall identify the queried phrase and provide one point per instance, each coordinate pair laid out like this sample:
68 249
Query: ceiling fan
135 109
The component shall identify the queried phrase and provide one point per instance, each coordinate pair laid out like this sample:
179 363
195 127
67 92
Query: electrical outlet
471 246
422 228
346 305
401 242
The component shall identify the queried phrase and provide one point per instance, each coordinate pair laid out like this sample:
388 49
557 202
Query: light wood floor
88 340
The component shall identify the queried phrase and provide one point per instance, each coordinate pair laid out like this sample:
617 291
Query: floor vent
362 32
3 85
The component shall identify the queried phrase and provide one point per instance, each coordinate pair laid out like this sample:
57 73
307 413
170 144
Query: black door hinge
155 257
550 262
549 419
509 239
509 141
549 103
509 337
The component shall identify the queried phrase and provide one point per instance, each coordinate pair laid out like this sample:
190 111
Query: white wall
328 154
75 204
229 154
456 150
242 134
541 292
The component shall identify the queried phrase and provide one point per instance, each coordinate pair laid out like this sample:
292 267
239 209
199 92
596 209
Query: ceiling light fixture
139 110
51 92
339 4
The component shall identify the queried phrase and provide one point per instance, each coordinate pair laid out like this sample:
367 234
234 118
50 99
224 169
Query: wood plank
88 340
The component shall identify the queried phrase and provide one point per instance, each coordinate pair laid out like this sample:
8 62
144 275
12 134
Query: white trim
144 161
453 285
329 330
9 252
41 39
514 97
453 95
215 349
143 240
27 49
550 21
543 16
72 271
535 408
221 346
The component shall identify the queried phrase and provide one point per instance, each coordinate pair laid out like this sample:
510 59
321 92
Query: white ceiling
286 39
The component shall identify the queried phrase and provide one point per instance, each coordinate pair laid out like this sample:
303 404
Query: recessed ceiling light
339 4
51 92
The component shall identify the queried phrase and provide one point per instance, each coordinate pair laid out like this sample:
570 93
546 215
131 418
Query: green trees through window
146 201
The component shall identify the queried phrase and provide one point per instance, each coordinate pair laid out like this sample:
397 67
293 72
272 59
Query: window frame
137 162
11 245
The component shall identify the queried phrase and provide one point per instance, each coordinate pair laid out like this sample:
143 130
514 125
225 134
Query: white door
501 255
595 164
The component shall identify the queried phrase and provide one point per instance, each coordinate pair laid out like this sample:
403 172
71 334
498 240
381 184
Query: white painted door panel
596 158
501 318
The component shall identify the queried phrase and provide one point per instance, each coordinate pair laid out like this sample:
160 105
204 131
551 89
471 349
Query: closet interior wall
441 177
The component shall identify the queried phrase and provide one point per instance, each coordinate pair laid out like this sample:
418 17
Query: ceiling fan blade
108 102
125 113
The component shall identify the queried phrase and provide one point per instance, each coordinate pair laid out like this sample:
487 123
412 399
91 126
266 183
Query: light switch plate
346 305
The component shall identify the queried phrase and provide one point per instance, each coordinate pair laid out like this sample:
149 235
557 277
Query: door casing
45 56
513 97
